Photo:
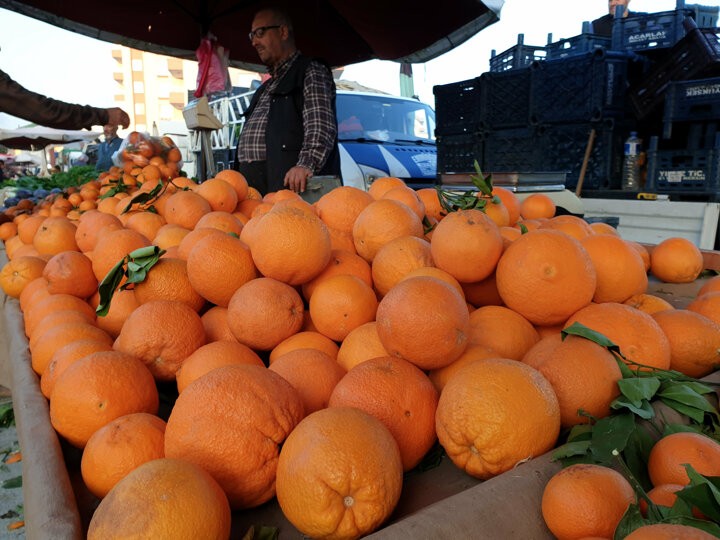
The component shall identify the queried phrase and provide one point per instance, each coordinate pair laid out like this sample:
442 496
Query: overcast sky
74 68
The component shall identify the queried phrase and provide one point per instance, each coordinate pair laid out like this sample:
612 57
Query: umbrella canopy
34 138
341 32
25 157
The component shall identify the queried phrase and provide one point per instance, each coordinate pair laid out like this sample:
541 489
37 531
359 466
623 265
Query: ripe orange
55 234
317 490
19 272
467 245
433 208
170 235
407 196
290 245
28 227
510 201
483 292
54 302
619 268
214 355
220 194
676 260
218 265
571 225
497 212
97 389
7 230
185 208
396 259
43 346
665 463
495 413
70 272
711 285
192 238
382 185
694 341
600 227
263 312
163 498
146 223
649 303
708 304
216 326
437 273
503 330
665 495
313 373
668 531
341 262
123 303
340 304
546 276
168 280
57 318
120 447
362 343
161 333
112 247
90 226
380 222
65 356
639 336
239 450
399 395
439 377
222 221
537 206
340 207
305 340
425 321
586 500
236 180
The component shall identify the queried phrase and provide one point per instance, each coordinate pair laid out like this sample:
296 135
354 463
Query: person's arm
319 126
18 101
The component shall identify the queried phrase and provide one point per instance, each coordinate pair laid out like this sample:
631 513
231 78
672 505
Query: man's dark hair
281 16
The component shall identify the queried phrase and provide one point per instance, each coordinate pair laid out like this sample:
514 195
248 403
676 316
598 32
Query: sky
75 68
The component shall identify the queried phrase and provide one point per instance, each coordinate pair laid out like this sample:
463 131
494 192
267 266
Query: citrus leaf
523 228
107 287
11 483
611 434
703 492
636 455
579 329
571 449
669 429
631 520
695 414
580 432
638 390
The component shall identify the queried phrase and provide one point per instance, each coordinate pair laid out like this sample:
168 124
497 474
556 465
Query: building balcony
177 99
119 76
175 67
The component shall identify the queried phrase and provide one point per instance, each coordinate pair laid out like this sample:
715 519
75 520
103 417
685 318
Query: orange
396 259
70 272
263 312
223 221
161 333
7 230
13 245
483 292
382 185
112 247
218 265
341 262
340 304
290 245
319 491
313 373
67 355
120 447
146 223
97 389
192 238
236 180
123 303
439 377
28 227
676 260
639 336
619 268
56 318
665 495
665 463
494 413
668 531
399 395
168 280
497 212
584 376
55 234
211 356
170 235
220 194
649 303
510 201
708 304
240 451
600 227
711 285
216 326
694 341
467 245
37 286
54 302
546 276
43 346
433 208
585 500
163 498
536 206
442 275
362 343
90 226
408 197
305 340
542 350
185 208
19 272
503 330
425 321
340 240
380 222
571 225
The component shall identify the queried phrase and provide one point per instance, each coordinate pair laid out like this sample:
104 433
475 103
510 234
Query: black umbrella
340 31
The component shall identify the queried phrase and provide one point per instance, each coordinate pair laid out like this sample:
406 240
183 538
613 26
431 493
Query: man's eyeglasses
260 31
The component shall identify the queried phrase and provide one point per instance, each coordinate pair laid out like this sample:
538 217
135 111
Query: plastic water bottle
631 163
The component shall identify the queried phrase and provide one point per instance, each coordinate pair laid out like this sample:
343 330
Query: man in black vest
603 25
290 131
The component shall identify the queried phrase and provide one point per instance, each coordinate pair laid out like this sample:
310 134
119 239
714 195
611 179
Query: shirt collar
280 69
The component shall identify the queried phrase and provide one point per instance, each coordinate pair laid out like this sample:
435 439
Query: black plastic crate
684 171
563 149
517 56
512 150
505 99
697 100
457 153
695 55
580 44
705 16
584 88
457 107
644 32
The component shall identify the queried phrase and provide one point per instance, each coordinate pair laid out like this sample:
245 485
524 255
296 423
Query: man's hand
117 116
296 178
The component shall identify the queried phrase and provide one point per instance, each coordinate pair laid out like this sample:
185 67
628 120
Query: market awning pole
588 150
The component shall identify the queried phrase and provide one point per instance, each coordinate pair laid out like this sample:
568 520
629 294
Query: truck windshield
384 118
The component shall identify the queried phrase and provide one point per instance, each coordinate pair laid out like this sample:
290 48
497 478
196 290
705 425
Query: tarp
341 32
35 138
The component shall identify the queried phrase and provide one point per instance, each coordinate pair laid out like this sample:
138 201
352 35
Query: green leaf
11 483
523 228
703 492
261 532
7 414
483 183
580 432
107 287
571 449
611 434
145 197
579 329
432 459
636 390
691 412
631 520
644 410
636 455
669 429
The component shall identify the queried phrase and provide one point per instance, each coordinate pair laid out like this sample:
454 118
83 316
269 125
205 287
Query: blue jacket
105 152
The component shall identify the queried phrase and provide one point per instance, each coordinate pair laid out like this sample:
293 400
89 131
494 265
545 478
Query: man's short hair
281 16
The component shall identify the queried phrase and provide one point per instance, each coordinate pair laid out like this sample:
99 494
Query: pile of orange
435 325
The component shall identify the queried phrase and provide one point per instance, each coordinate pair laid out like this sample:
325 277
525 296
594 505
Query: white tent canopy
35 138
